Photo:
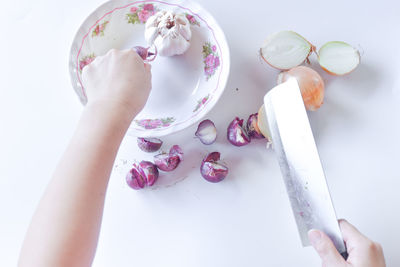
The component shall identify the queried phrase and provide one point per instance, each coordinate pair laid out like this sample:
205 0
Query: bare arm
65 228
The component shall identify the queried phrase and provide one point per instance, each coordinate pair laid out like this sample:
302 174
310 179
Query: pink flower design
216 64
201 102
97 29
148 7
86 61
156 123
210 60
209 71
134 9
144 15
192 20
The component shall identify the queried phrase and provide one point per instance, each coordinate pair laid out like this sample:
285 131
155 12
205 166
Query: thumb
326 250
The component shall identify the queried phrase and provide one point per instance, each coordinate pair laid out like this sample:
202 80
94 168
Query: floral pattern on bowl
192 20
99 29
140 14
155 123
201 102
86 60
211 59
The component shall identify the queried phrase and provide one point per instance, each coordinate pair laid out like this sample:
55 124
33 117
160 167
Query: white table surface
245 220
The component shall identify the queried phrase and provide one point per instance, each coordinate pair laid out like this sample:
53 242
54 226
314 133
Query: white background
245 220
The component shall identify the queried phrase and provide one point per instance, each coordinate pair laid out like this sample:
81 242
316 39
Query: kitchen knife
301 168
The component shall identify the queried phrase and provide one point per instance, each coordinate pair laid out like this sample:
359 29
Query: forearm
64 230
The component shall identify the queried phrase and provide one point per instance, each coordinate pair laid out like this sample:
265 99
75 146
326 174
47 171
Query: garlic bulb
169 32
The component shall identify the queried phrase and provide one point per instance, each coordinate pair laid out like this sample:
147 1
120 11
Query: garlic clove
338 58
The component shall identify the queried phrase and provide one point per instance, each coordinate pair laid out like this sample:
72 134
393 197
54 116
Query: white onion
285 50
338 58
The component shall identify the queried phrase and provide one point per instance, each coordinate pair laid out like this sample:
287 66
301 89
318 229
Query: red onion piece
206 132
252 128
144 174
169 161
149 171
212 170
237 135
134 179
149 144
176 151
145 54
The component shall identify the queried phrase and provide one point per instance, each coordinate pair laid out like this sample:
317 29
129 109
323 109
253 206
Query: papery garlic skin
169 32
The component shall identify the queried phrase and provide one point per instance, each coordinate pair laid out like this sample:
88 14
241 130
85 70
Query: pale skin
65 227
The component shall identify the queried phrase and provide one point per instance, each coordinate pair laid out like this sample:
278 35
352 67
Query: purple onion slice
149 171
206 132
212 170
149 144
135 179
252 128
236 134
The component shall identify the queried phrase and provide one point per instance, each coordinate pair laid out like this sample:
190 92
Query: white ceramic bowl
185 87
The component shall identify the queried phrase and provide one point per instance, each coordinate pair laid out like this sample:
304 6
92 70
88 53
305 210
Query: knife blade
301 167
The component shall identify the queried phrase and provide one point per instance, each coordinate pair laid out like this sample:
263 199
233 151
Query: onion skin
252 128
212 170
311 85
149 144
236 134
203 132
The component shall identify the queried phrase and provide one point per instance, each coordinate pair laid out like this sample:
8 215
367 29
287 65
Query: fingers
355 240
351 236
325 249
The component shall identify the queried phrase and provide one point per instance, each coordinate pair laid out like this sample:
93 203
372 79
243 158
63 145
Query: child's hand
362 251
119 81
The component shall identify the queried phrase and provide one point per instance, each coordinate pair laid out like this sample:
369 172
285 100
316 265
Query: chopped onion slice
206 132
285 50
149 144
338 58
237 134
212 170
169 161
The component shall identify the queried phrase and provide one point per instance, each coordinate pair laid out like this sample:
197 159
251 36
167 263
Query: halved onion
338 58
285 50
